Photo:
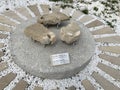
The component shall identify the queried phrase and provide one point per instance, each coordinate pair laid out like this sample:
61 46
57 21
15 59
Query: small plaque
60 59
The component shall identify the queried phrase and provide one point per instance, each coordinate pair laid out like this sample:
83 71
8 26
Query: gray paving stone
105 30
21 85
111 71
87 85
7 21
77 14
94 24
67 11
1 53
112 59
3 36
112 49
34 9
4 81
72 88
38 88
24 12
111 39
3 66
5 28
13 15
45 8
86 19
104 83
1 45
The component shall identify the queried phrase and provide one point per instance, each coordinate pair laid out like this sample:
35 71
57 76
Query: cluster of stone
38 32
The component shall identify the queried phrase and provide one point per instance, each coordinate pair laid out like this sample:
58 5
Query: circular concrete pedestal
35 58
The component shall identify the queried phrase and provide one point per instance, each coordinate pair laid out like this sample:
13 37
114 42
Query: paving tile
5 28
5 81
24 12
1 45
45 8
103 82
112 59
77 14
94 24
111 39
112 49
1 54
87 85
13 15
111 71
105 30
67 11
56 8
34 9
72 88
21 85
3 36
7 21
86 19
38 88
3 66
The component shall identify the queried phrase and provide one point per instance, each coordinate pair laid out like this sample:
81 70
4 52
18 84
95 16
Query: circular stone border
63 84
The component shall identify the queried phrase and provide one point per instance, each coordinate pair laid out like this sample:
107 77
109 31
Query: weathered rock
40 33
70 33
53 18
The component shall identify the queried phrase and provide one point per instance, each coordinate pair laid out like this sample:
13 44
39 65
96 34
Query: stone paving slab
3 36
34 9
56 8
77 14
86 19
111 39
1 54
7 21
94 24
87 85
72 88
112 49
104 83
111 71
112 59
21 85
5 81
13 15
45 8
1 45
67 11
38 88
5 28
24 12
3 66
105 30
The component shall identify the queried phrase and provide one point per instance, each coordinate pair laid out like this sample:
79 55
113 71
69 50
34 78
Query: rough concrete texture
35 58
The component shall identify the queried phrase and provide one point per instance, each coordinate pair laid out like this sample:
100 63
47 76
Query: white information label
60 59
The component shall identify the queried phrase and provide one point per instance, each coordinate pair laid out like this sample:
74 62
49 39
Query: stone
103 82
109 70
21 85
86 18
77 14
3 66
34 9
70 33
45 8
38 88
1 45
5 28
53 18
3 36
40 33
87 85
1 53
72 88
5 80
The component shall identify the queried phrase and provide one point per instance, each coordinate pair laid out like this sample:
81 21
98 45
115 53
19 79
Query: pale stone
53 18
70 33
40 33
